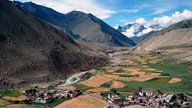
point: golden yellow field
(19, 106)
(97, 95)
(116, 77)
(174, 80)
(83, 101)
(143, 61)
(20, 98)
(3, 103)
(117, 84)
(98, 90)
(96, 81)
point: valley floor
(127, 73)
(130, 71)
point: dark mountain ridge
(87, 27)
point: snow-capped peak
(135, 29)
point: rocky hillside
(91, 28)
(87, 27)
(32, 51)
(176, 39)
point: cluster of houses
(148, 100)
(46, 96)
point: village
(47, 96)
(148, 100)
(141, 98)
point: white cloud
(163, 21)
(142, 6)
(65, 6)
(174, 18)
(140, 20)
(116, 26)
(145, 31)
(160, 10)
(129, 10)
(128, 34)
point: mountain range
(137, 32)
(33, 51)
(40, 45)
(86, 28)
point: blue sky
(130, 10)
(121, 12)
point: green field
(159, 80)
(120, 71)
(11, 93)
(82, 87)
(166, 67)
(182, 70)
(106, 85)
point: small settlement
(46, 96)
(148, 100)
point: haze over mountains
(82, 26)
(33, 51)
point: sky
(122, 12)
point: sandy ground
(132, 69)
(143, 61)
(20, 98)
(96, 81)
(134, 106)
(2, 103)
(117, 84)
(19, 106)
(97, 95)
(128, 61)
(174, 80)
(113, 69)
(82, 102)
(116, 77)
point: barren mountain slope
(85, 27)
(32, 51)
(176, 40)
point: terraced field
(149, 72)
(83, 101)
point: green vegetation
(122, 75)
(136, 61)
(126, 89)
(57, 102)
(104, 94)
(121, 95)
(107, 84)
(82, 87)
(11, 93)
(103, 69)
(119, 71)
(86, 76)
(159, 80)
(165, 74)
(149, 71)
